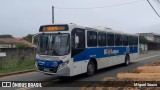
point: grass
(13, 65)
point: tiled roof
(16, 41)
(9, 40)
(26, 42)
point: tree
(143, 40)
(29, 38)
(6, 36)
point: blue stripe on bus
(48, 64)
(88, 53)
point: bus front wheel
(91, 68)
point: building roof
(9, 41)
(26, 42)
(16, 41)
(155, 34)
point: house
(11, 42)
(26, 42)
(154, 40)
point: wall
(143, 47)
(7, 45)
(17, 52)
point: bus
(70, 49)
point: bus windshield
(56, 44)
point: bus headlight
(63, 64)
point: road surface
(101, 74)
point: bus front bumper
(65, 71)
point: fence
(16, 52)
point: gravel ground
(142, 75)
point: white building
(154, 41)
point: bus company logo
(6, 84)
(110, 51)
(107, 51)
(115, 51)
(54, 64)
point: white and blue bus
(69, 49)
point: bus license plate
(46, 70)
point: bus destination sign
(51, 28)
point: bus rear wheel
(127, 60)
(91, 68)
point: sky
(22, 17)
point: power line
(153, 8)
(104, 6)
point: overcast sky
(22, 17)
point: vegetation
(143, 40)
(12, 65)
(29, 38)
(22, 45)
(6, 36)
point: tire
(127, 60)
(91, 68)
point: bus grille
(52, 70)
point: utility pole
(53, 14)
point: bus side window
(118, 40)
(101, 39)
(81, 34)
(91, 39)
(131, 40)
(135, 40)
(110, 39)
(125, 40)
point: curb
(19, 72)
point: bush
(22, 45)
(12, 65)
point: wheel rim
(90, 69)
(127, 61)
